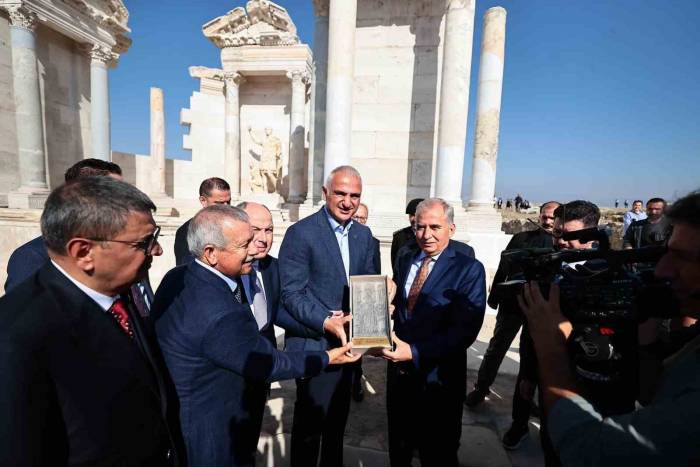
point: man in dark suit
(211, 191)
(439, 308)
(317, 257)
(509, 320)
(212, 344)
(81, 374)
(28, 258)
(405, 236)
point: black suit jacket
(182, 249)
(74, 388)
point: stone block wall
(397, 49)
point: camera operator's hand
(543, 316)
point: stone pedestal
(488, 110)
(33, 187)
(341, 61)
(232, 151)
(454, 100)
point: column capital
(21, 16)
(233, 78)
(321, 7)
(99, 53)
(458, 4)
(299, 76)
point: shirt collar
(230, 282)
(335, 225)
(422, 255)
(104, 301)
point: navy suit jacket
(25, 261)
(447, 315)
(216, 357)
(413, 249)
(276, 312)
(313, 277)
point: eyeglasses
(147, 244)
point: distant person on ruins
(636, 214)
(654, 230)
(617, 203)
(518, 202)
(28, 258)
(627, 204)
(212, 191)
(500, 203)
(509, 203)
(509, 320)
(439, 310)
(406, 235)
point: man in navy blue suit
(318, 255)
(439, 308)
(210, 338)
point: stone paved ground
(366, 433)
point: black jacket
(75, 389)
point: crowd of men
(96, 369)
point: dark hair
(91, 167)
(579, 210)
(211, 184)
(90, 207)
(637, 201)
(656, 200)
(544, 205)
(686, 210)
(412, 205)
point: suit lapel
(269, 281)
(354, 250)
(329, 241)
(439, 268)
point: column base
(27, 198)
(165, 205)
(479, 219)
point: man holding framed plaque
(439, 309)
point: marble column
(318, 103)
(454, 99)
(158, 142)
(232, 151)
(488, 109)
(33, 186)
(341, 64)
(296, 137)
(100, 57)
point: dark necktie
(239, 293)
(418, 282)
(121, 315)
(139, 301)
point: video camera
(605, 294)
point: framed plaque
(369, 305)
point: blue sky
(601, 99)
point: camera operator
(666, 431)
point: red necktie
(418, 282)
(119, 312)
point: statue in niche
(265, 177)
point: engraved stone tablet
(369, 304)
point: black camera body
(605, 294)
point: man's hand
(336, 326)
(342, 355)
(401, 354)
(543, 316)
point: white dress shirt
(230, 282)
(104, 301)
(341, 235)
(415, 266)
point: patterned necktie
(139, 301)
(418, 282)
(259, 301)
(239, 294)
(119, 313)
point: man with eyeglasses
(81, 375)
(509, 320)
